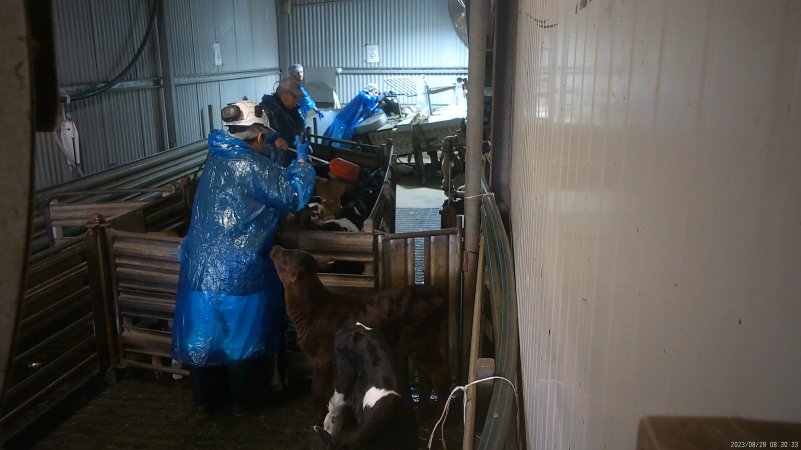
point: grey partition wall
(198, 53)
(412, 38)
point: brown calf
(411, 318)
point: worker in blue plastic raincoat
(229, 305)
(306, 103)
(353, 113)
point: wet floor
(149, 412)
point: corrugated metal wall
(96, 39)
(656, 220)
(415, 36)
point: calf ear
(321, 438)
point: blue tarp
(349, 117)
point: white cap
(370, 87)
(244, 113)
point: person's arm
(286, 189)
(368, 103)
(305, 102)
(281, 123)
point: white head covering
(248, 117)
(370, 87)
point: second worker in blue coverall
(353, 113)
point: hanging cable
(115, 80)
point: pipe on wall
(477, 32)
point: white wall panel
(658, 147)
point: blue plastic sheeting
(349, 117)
(306, 103)
(229, 305)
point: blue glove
(302, 148)
(320, 114)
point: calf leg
(344, 379)
(434, 373)
(320, 392)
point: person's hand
(302, 149)
(281, 144)
(320, 114)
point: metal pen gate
(440, 264)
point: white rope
(468, 197)
(464, 406)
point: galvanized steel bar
(101, 179)
(403, 70)
(129, 85)
(167, 75)
(225, 76)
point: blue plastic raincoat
(348, 117)
(305, 102)
(229, 305)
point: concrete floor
(149, 412)
(412, 193)
(419, 197)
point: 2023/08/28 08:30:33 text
(764, 444)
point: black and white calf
(367, 385)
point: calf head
(330, 195)
(293, 265)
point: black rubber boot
(201, 389)
(239, 381)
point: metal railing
(126, 182)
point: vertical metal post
(283, 10)
(503, 104)
(102, 291)
(167, 78)
(211, 118)
(477, 32)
